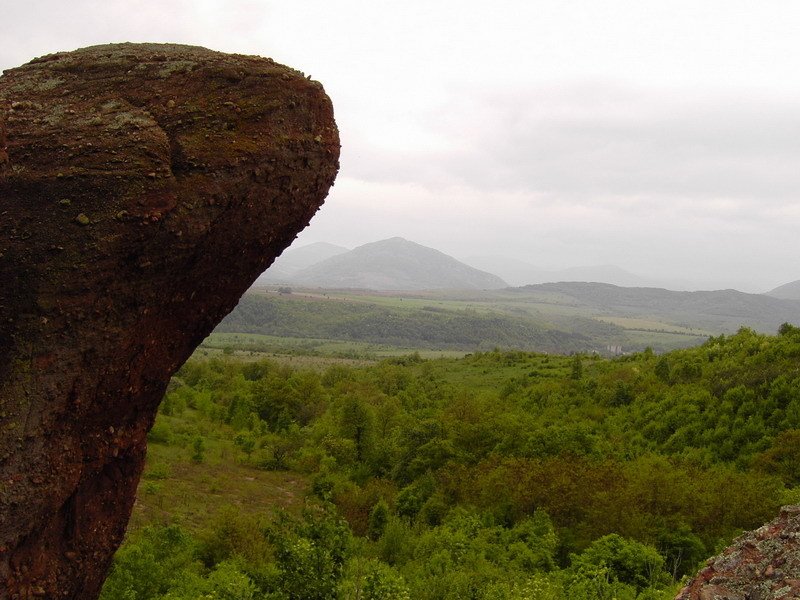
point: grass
(492, 371)
(652, 326)
(316, 351)
(175, 489)
(574, 326)
(661, 341)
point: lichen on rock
(760, 565)
(143, 187)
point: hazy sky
(663, 137)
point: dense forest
(501, 475)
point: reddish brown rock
(761, 565)
(142, 189)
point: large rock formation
(142, 189)
(760, 565)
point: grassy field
(654, 326)
(545, 310)
(308, 352)
(178, 488)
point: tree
(384, 583)
(662, 369)
(623, 394)
(682, 549)
(150, 564)
(378, 517)
(577, 368)
(246, 442)
(310, 554)
(627, 561)
(199, 448)
(358, 424)
(781, 458)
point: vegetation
(429, 327)
(500, 475)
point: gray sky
(663, 137)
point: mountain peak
(787, 291)
(396, 264)
(392, 242)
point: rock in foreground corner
(760, 565)
(143, 188)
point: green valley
(466, 321)
(498, 475)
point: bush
(158, 470)
(384, 583)
(310, 554)
(623, 560)
(199, 448)
(150, 564)
(161, 433)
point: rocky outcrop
(761, 565)
(142, 189)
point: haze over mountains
(397, 264)
(787, 291)
(715, 311)
(517, 272)
(448, 303)
(393, 264)
(297, 259)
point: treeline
(503, 475)
(430, 327)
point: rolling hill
(298, 316)
(787, 291)
(395, 264)
(719, 310)
(518, 272)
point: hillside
(296, 259)
(395, 264)
(719, 310)
(551, 317)
(518, 272)
(787, 291)
(422, 327)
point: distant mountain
(720, 310)
(518, 272)
(296, 259)
(602, 274)
(514, 271)
(787, 291)
(395, 264)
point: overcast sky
(662, 137)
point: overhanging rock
(143, 188)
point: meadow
(464, 321)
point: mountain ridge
(519, 272)
(726, 309)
